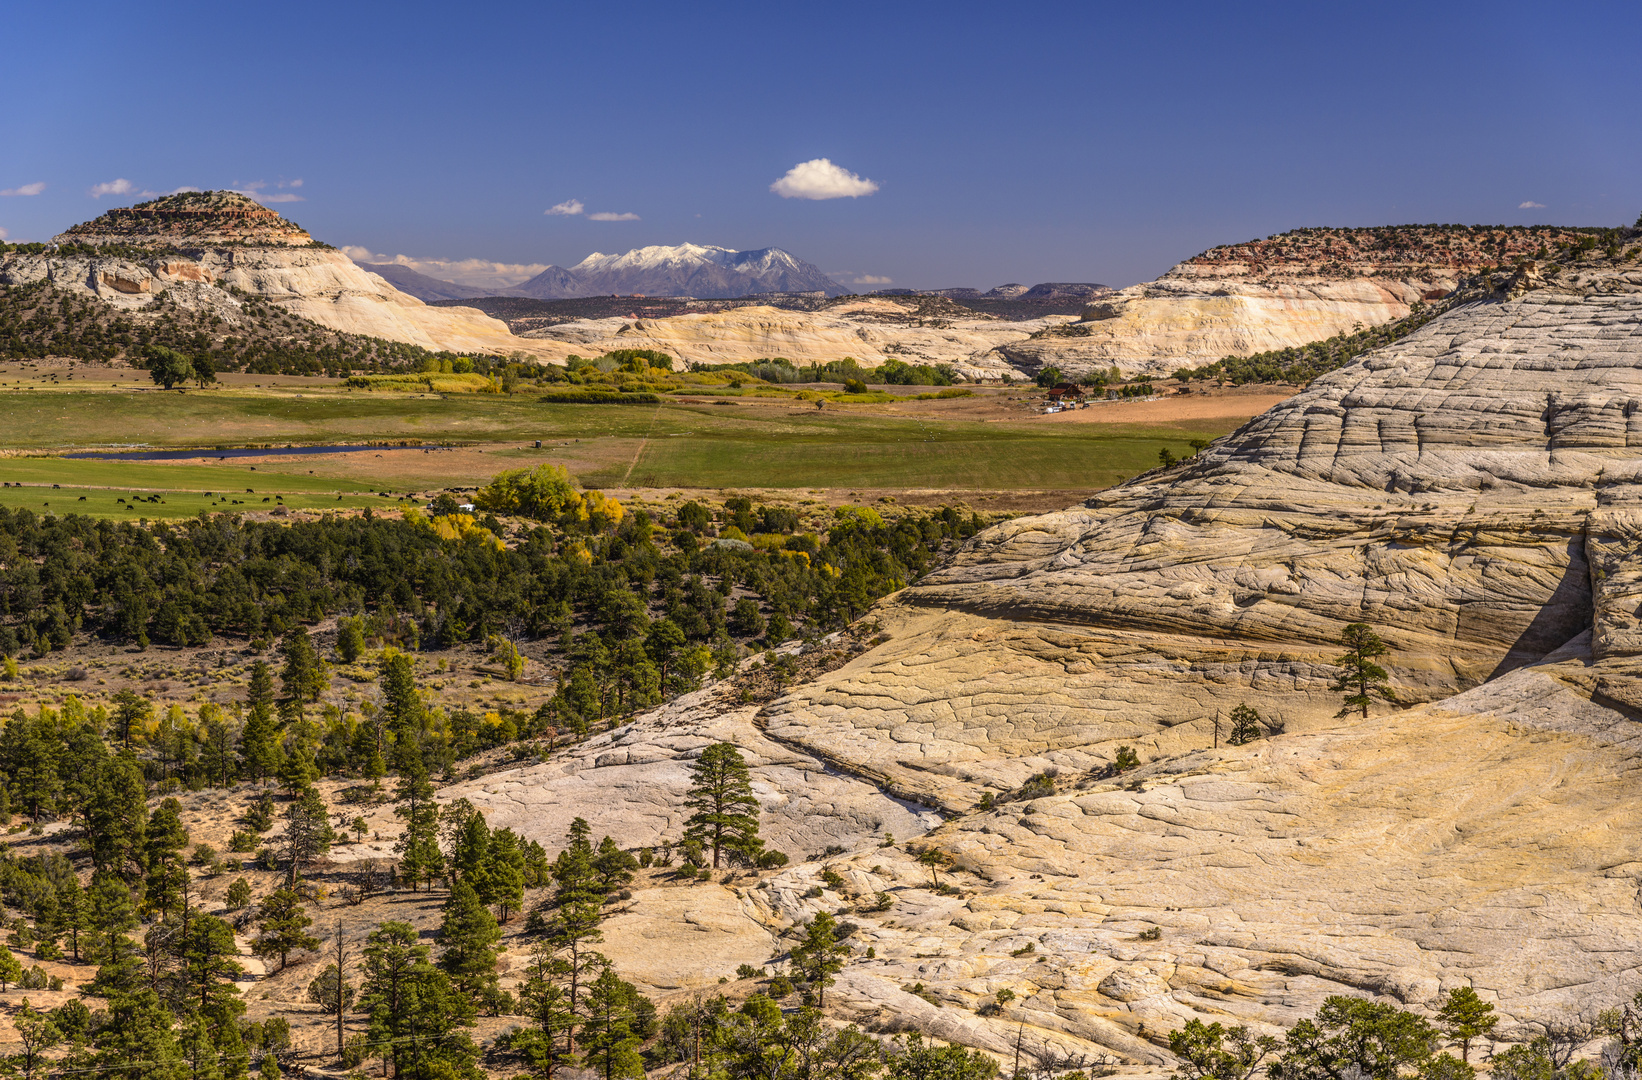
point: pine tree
(131, 714)
(259, 744)
(609, 1044)
(613, 866)
(282, 924)
(71, 911)
(726, 812)
(37, 1034)
(303, 677)
(401, 711)
(418, 846)
(350, 638)
(573, 875)
(116, 818)
(1245, 725)
(414, 1012)
(11, 970)
(109, 914)
(470, 851)
(308, 832)
(469, 935)
(1360, 677)
(135, 1040)
(504, 873)
(1463, 1017)
(820, 955)
(208, 969)
(167, 879)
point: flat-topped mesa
(1398, 252)
(190, 218)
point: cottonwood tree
(1359, 676)
(726, 811)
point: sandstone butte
(1281, 292)
(198, 247)
(1473, 491)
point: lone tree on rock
(1463, 1017)
(726, 812)
(1245, 725)
(1360, 677)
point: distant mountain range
(696, 270)
(701, 271)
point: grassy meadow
(955, 445)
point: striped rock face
(1471, 492)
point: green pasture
(135, 489)
(898, 454)
(675, 444)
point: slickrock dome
(1473, 492)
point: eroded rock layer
(1278, 293)
(1472, 493)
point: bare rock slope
(871, 330)
(1284, 291)
(1472, 492)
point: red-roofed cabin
(1066, 392)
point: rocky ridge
(1475, 493)
(1284, 291)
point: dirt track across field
(1174, 408)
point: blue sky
(1007, 142)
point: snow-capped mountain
(700, 270)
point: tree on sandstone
(726, 812)
(1463, 1017)
(1359, 676)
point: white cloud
(606, 215)
(27, 189)
(291, 183)
(4, 234)
(821, 179)
(569, 208)
(121, 186)
(869, 279)
(284, 197)
(479, 273)
(1530, 205)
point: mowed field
(989, 443)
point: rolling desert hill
(1473, 492)
(203, 249)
